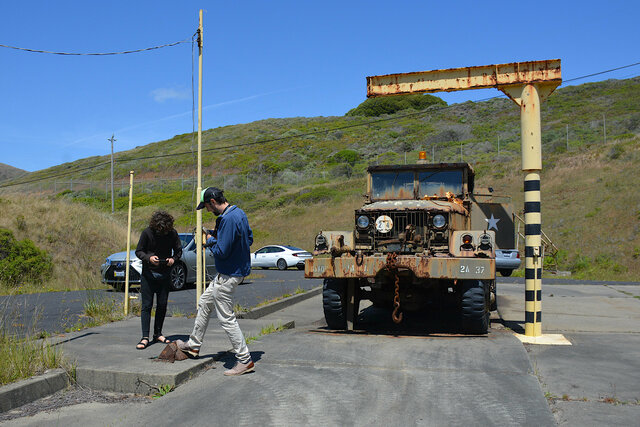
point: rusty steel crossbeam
(453, 79)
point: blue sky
(263, 59)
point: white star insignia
(493, 222)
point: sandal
(144, 343)
(161, 339)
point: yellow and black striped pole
(533, 259)
(532, 165)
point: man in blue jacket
(230, 246)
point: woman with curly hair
(159, 248)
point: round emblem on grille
(384, 224)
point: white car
(280, 256)
(507, 260)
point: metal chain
(391, 266)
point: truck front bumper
(422, 267)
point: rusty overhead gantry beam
(527, 84)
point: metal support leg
(352, 304)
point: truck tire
(475, 307)
(334, 302)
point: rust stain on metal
(454, 79)
(421, 266)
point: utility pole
(604, 127)
(112, 139)
(200, 268)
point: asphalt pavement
(53, 312)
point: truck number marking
(478, 269)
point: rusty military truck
(412, 247)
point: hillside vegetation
(307, 174)
(9, 172)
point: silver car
(507, 260)
(182, 273)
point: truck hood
(427, 205)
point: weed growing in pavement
(163, 389)
(298, 291)
(238, 308)
(103, 310)
(266, 330)
(176, 312)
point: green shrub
(580, 263)
(346, 156)
(374, 107)
(21, 260)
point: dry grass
(590, 208)
(78, 238)
(300, 230)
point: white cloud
(167, 93)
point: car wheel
(505, 273)
(281, 264)
(334, 303)
(475, 307)
(178, 277)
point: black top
(162, 246)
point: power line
(96, 53)
(601, 72)
(264, 141)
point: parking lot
(397, 375)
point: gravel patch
(73, 395)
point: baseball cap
(208, 194)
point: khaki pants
(219, 293)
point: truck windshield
(439, 182)
(392, 185)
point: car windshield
(392, 185)
(437, 183)
(293, 248)
(185, 239)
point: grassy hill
(307, 174)
(9, 172)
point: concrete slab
(544, 339)
(595, 367)
(593, 382)
(573, 308)
(580, 414)
(106, 357)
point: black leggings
(153, 283)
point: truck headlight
(363, 221)
(439, 221)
